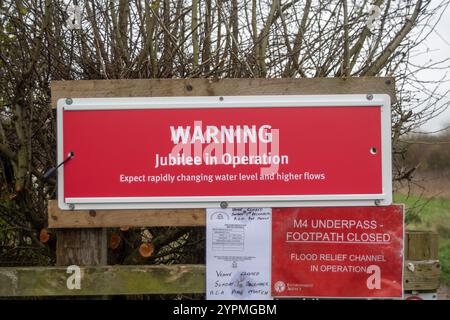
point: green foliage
(430, 212)
(444, 257)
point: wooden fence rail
(154, 279)
(103, 280)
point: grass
(430, 214)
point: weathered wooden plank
(105, 280)
(214, 87)
(422, 275)
(118, 218)
(421, 245)
(155, 279)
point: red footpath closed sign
(194, 152)
(346, 252)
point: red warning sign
(342, 252)
(196, 152)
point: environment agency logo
(279, 286)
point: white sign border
(206, 102)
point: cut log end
(146, 250)
(44, 236)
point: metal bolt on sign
(69, 101)
(369, 97)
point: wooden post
(82, 247)
(421, 245)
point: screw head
(369, 97)
(221, 98)
(69, 101)
(71, 206)
(377, 202)
(224, 205)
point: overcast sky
(438, 46)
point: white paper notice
(238, 253)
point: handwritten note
(238, 253)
